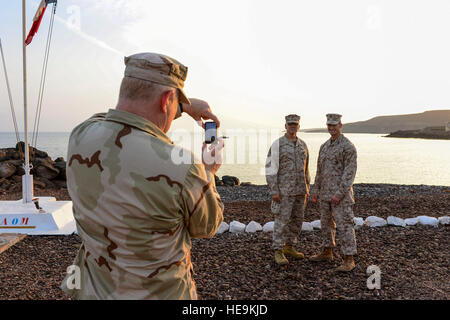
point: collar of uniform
(337, 141)
(297, 142)
(137, 122)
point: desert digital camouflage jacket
(336, 170)
(287, 171)
(136, 210)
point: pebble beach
(414, 260)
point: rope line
(37, 118)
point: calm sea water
(380, 160)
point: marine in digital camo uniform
(288, 179)
(333, 189)
(135, 209)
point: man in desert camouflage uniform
(136, 209)
(288, 179)
(333, 189)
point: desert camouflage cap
(333, 118)
(292, 118)
(157, 68)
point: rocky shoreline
(427, 133)
(47, 173)
(251, 192)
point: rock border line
(371, 222)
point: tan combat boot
(325, 255)
(290, 251)
(280, 258)
(347, 265)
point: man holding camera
(288, 179)
(136, 208)
(333, 189)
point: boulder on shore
(46, 172)
(231, 181)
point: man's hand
(314, 198)
(276, 198)
(199, 110)
(335, 200)
(212, 155)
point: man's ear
(166, 99)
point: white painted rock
(316, 224)
(307, 226)
(253, 227)
(395, 221)
(444, 220)
(374, 222)
(359, 222)
(268, 227)
(223, 227)
(237, 227)
(411, 221)
(428, 221)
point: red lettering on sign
(4, 222)
(24, 221)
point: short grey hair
(137, 89)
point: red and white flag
(37, 19)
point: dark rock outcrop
(46, 172)
(426, 133)
(231, 181)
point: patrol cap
(157, 68)
(333, 118)
(292, 118)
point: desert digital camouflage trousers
(288, 221)
(340, 216)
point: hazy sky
(253, 61)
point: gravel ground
(231, 266)
(414, 261)
(402, 207)
(261, 192)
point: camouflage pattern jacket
(136, 210)
(287, 171)
(336, 170)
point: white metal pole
(27, 179)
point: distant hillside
(388, 124)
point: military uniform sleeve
(307, 175)
(316, 188)
(272, 167)
(202, 203)
(349, 173)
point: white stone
(395, 221)
(316, 224)
(411, 221)
(223, 227)
(253, 227)
(444, 220)
(428, 221)
(374, 222)
(359, 222)
(268, 227)
(307, 226)
(237, 227)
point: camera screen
(210, 132)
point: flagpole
(27, 179)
